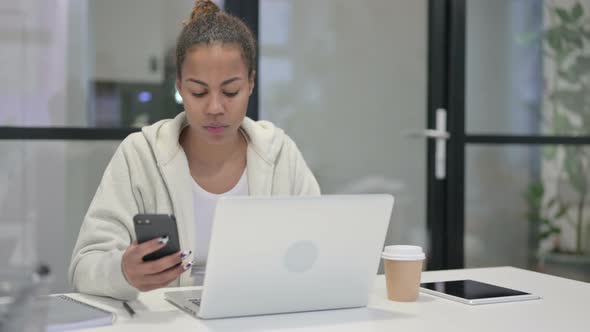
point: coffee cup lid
(403, 253)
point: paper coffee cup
(403, 267)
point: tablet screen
(471, 289)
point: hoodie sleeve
(304, 183)
(105, 234)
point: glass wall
(346, 79)
(527, 74)
(45, 189)
(343, 78)
(527, 67)
(504, 83)
(524, 211)
(74, 63)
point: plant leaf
(561, 124)
(562, 211)
(535, 190)
(570, 75)
(572, 36)
(534, 196)
(545, 234)
(573, 100)
(554, 39)
(574, 169)
(550, 152)
(563, 15)
(577, 11)
(579, 68)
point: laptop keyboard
(196, 301)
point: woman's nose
(215, 107)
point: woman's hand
(149, 275)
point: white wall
(127, 34)
(127, 37)
(32, 81)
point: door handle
(440, 135)
(434, 133)
(440, 152)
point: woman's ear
(178, 85)
(251, 82)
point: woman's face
(215, 89)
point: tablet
(474, 292)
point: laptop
(271, 255)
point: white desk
(565, 307)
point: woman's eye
(198, 95)
(231, 94)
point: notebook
(66, 314)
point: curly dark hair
(209, 25)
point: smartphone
(151, 226)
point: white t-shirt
(204, 206)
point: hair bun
(202, 8)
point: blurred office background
(351, 82)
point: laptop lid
(287, 254)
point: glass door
(522, 115)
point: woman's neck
(207, 155)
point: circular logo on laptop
(301, 256)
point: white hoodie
(149, 173)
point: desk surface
(564, 307)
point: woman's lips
(215, 129)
